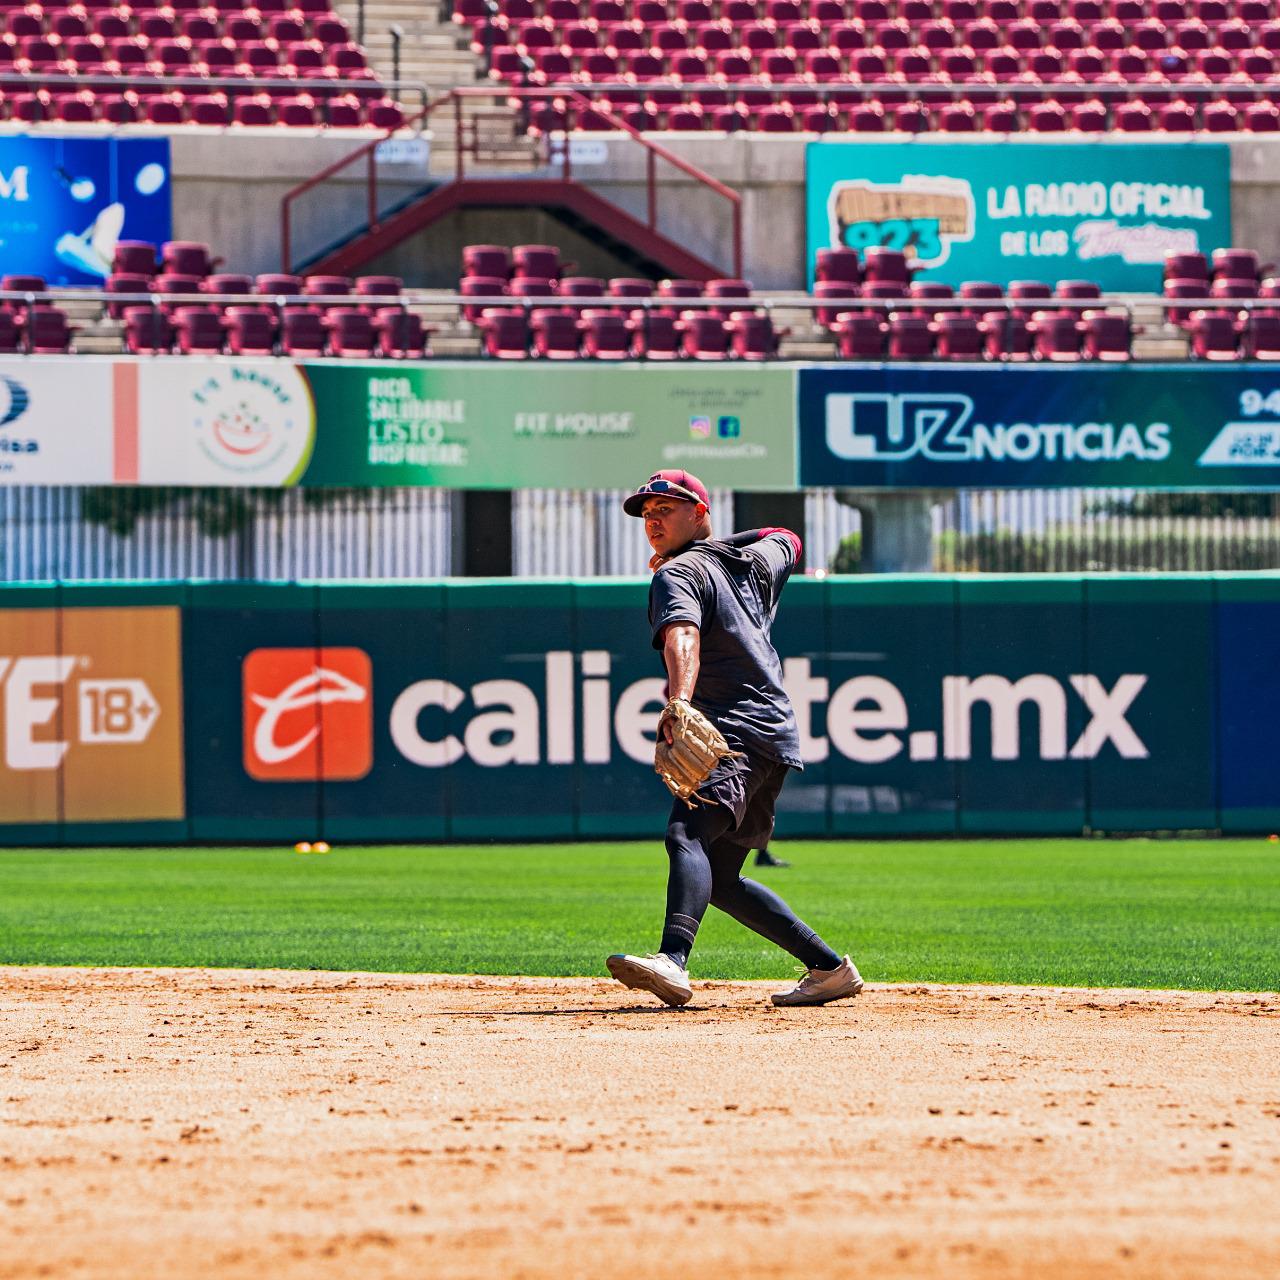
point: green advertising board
(1050, 704)
(477, 424)
(1103, 211)
(550, 425)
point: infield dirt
(173, 1123)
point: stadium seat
(861, 336)
(199, 330)
(1008, 337)
(606, 335)
(752, 337)
(401, 334)
(1260, 337)
(1214, 336)
(486, 260)
(657, 335)
(302, 332)
(250, 331)
(957, 337)
(505, 334)
(1106, 336)
(841, 294)
(1057, 335)
(351, 332)
(910, 337)
(147, 330)
(557, 335)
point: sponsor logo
(868, 720)
(249, 420)
(308, 714)
(1244, 444)
(581, 716)
(37, 712)
(15, 400)
(922, 216)
(14, 186)
(877, 426)
(92, 733)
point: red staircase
(637, 242)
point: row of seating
(1090, 117)
(1157, 48)
(215, 56)
(298, 331)
(614, 333)
(237, 25)
(1059, 336)
(295, 59)
(1213, 13)
(214, 109)
(783, 66)
(514, 334)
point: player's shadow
(625, 1009)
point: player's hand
(656, 561)
(665, 730)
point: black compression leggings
(707, 870)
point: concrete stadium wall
(230, 197)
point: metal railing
(232, 86)
(572, 101)
(161, 305)
(70, 533)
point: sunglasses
(659, 485)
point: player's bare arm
(682, 653)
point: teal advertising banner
(1054, 704)
(989, 211)
(469, 425)
(951, 426)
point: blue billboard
(1038, 211)
(66, 202)
(956, 426)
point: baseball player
(726, 739)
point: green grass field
(1199, 914)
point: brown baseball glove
(697, 746)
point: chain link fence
(66, 534)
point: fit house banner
(990, 211)
(475, 425)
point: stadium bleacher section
(219, 64)
(526, 302)
(960, 66)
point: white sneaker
(656, 973)
(818, 986)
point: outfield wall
(465, 710)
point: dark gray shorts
(748, 787)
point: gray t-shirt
(731, 595)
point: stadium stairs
(435, 52)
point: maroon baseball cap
(670, 484)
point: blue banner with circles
(66, 202)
